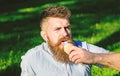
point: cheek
(53, 38)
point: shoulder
(30, 54)
(90, 47)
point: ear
(44, 35)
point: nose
(64, 32)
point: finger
(73, 53)
(78, 60)
(74, 57)
(71, 49)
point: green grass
(19, 31)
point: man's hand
(80, 55)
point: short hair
(54, 11)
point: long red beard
(58, 53)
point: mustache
(66, 38)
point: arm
(79, 55)
(111, 60)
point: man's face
(58, 31)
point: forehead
(58, 22)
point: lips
(64, 39)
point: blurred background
(94, 21)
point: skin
(79, 55)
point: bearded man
(49, 58)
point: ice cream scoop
(67, 46)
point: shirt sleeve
(26, 69)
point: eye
(58, 28)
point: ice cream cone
(67, 47)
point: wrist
(96, 58)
